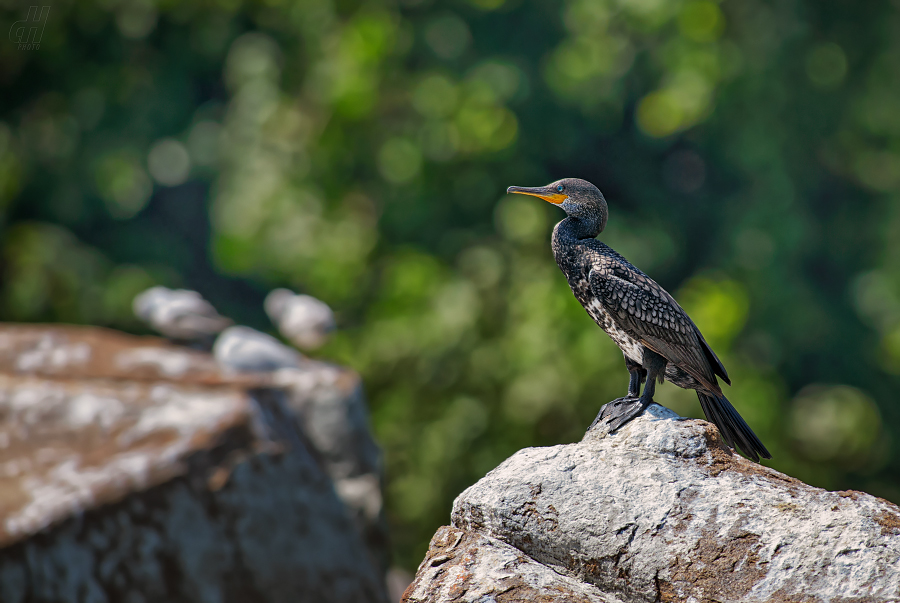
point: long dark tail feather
(731, 425)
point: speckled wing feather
(652, 316)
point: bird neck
(577, 228)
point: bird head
(578, 198)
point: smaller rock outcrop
(330, 405)
(661, 510)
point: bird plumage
(180, 314)
(657, 337)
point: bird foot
(618, 412)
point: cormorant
(656, 336)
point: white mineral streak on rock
(60, 482)
(303, 320)
(183, 411)
(84, 409)
(50, 353)
(170, 363)
(70, 488)
(362, 492)
(179, 313)
(245, 349)
(661, 510)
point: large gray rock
(134, 470)
(660, 511)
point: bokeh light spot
(718, 307)
(399, 160)
(878, 170)
(123, 185)
(448, 36)
(826, 65)
(521, 218)
(834, 423)
(435, 96)
(440, 140)
(504, 80)
(168, 162)
(890, 348)
(659, 114)
(203, 142)
(701, 21)
(136, 19)
(252, 57)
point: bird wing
(652, 316)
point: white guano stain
(53, 471)
(171, 363)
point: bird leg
(622, 410)
(638, 374)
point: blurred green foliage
(359, 151)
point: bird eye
(559, 188)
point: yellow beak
(547, 194)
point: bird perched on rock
(179, 314)
(303, 320)
(245, 349)
(655, 334)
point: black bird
(655, 334)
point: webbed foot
(618, 412)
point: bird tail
(731, 425)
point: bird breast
(631, 347)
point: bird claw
(618, 412)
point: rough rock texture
(469, 566)
(331, 408)
(133, 470)
(659, 511)
(330, 405)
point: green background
(359, 151)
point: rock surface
(659, 511)
(331, 407)
(134, 470)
